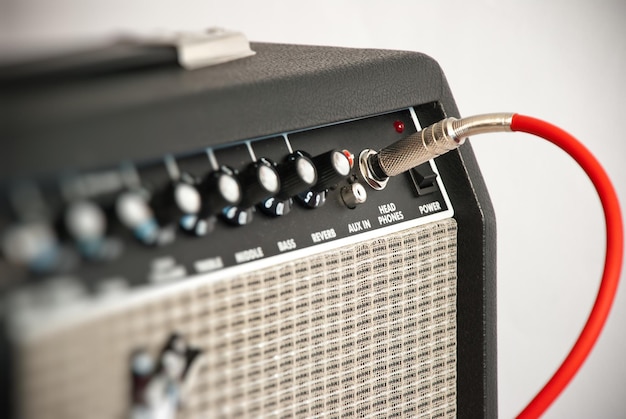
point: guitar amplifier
(200, 244)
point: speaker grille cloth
(365, 330)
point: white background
(564, 61)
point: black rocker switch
(424, 179)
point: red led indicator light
(350, 157)
(399, 126)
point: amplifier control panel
(211, 211)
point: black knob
(297, 174)
(134, 212)
(332, 167)
(259, 181)
(181, 202)
(220, 189)
(85, 222)
(35, 246)
(180, 197)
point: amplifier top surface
(94, 121)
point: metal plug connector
(435, 140)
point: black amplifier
(201, 243)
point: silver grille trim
(368, 329)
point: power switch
(424, 179)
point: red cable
(612, 261)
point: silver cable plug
(448, 134)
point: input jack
(367, 174)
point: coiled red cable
(612, 262)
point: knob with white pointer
(35, 246)
(86, 223)
(134, 212)
(259, 182)
(220, 189)
(332, 167)
(176, 199)
(297, 174)
(179, 203)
